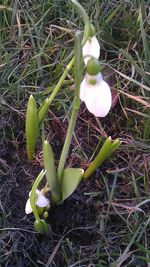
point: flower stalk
(76, 104)
(33, 194)
(44, 108)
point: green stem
(67, 143)
(87, 28)
(33, 194)
(62, 78)
(86, 21)
(85, 37)
(77, 69)
(76, 105)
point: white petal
(83, 87)
(28, 208)
(85, 84)
(38, 192)
(42, 201)
(98, 99)
(91, 49)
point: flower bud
(31, 127)
(41, 227)
(45, 215)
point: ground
(105, 222)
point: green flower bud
(47, 207)
(45, 215)
(41, 227)
(31, 127)
(93, 67)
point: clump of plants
(61, 181)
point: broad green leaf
(70, 180)
(51, 176)
(107, 149)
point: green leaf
(70, 180)
(32, 130)
(42, 111)
(107, 149)
(116, 143)
(51, 176)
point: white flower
(96, 94)
(91, 49)
(41, 201)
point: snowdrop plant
(61, 181)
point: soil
(72, 220)
(78, 225)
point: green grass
(107, 221)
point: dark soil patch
(80, 233)
(74, 220)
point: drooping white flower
(91, 49)
(41, 201)
(96, 94)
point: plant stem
(85, 18)
(33, 194)
(67, 143)
(62, 78)
(76, 105)
(85, 37)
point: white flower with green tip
(41, 202)
(94, 91)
